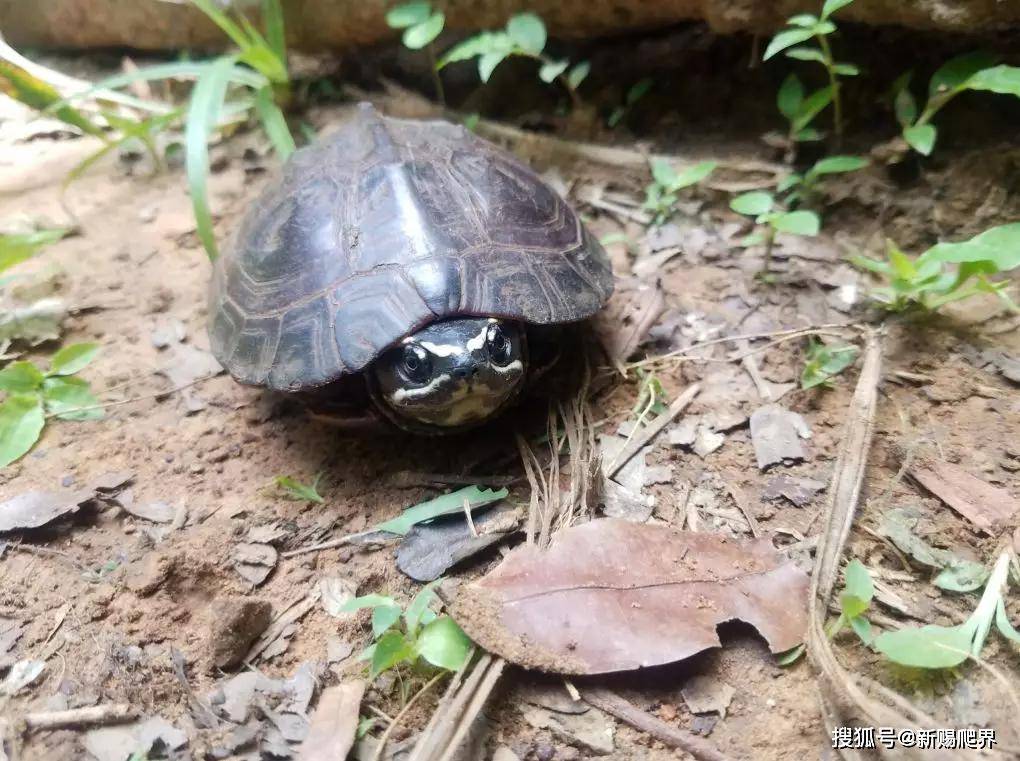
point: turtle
(406, 271)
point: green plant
(524, 36)
(409, 637)
(854, 602)
(32, 395)
(421, 24)
(651, 398)
(939, 647)
(801, 109)
(17, 247)
(299, 491)
(661, 193)
(800, 29)
(930, 281)
(800, 187)
(822, 363)
(142, 130)
(971, 71)
(763, 207)
(635, 92)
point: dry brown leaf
(987, 507)
(611, 595)
(37, 508)
(334, 723)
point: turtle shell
(381, 228)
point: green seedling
(298, 491)
(635, 92)
(800, 109)
(142, 131)
(803, 187)
(822, 363)
(800, 29)
(416, 637)
(854, 602)
(421, 24)
(971, 71)
(651, 397)
(17, 247)
(774, 220)
(32, 395)
(524, 36)
(458, 501)
(942, 647)
(930, 281)
(661, 193)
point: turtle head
(450, 374)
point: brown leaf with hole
(612, 595)
(987, 507)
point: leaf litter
(987, 507)
(612, 595)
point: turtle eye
(500, 349)
(415, 364)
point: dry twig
(653, 429)
(89, 716)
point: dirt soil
(107, 599)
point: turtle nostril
(464, 373)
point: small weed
(661, 193)
(635, 92)
(971, 71)
(929, 281)
(17, 247)
(651, 396)
(299, 491)
(803, 188)
(822, 363)
(768, 214)
(524, 36)
(854, 602)
(800, 29)
(34, 394)
(413, 637)
(421, 24)
(942, 647)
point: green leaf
(366, 601)
(72, 359)
(787, 39)
(21, 422)
(805, 54)
(17, 247)
(300, 491)
(920, 137)
(552, 69)
(813, 105)
(176, 70)
(383, 617)
(962, 576)
(805, 20)
(663, 173)
(42, 96)
(480, 44)
(70, 398)
(998, 245)
(693, 174)
(1003, 79)
(419, 605)
(408, 14)
(904, 103)
(487, 62)
(831, 6)
(837, 165)
(274, 122)
(824, 27)
(442, 643)
(20, 377)
(444, 505)
(852, 605)
(638, 90)
(203, 113)
(798, 222)
(791, 656)
(846, 69)
(862, 628)
(420, 35)
(528, 32)
(791, 180)
(218, 17)
(752, 204)
(1002, 622)
(956, 72)
(578, 73)
(810, 134)
(930, 647)
(272, 18)
(872, 265)
(858, 581)
(391, 649)
(790, 96)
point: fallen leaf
(799, 491)
(552, 696)
(987, 507)
(337, 592)
(37, 508)
(591, 731)
(706, 694)
(632, 311)
(338, 650)
(334, 723)
(22, 674)
(446, 504)
(255, 561)
(623, 495)
(188, 364)
(429, 550)
(776, 433)
(157, 512)
(112, 481)
(34, 323)
(958, 574)
(611, 595)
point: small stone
(236, 624)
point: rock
(330, 24)
(236, 623)
(145, 576)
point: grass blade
(272, 19)
(33, 92)
(274, 122)
(223, 21)
(203, 112)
